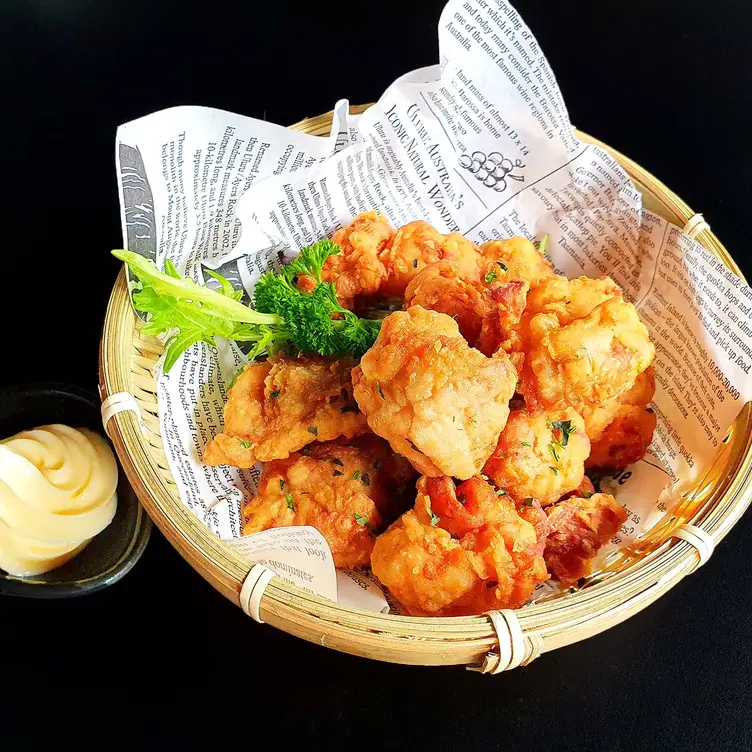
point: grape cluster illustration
(493, 170)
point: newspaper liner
(481, 144)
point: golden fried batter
(540, 456)
(625, 440)
(460, 551)
(598, 417)
(440, 287)
(356, 270)
(587, 361)
(579, 528)
(342, 491)
(415, 246)
(278, 406)
(437, 401)
(570, 299)
(502, 323)
(622, 428)
(516, 260)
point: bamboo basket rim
(646, 572)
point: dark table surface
(664, 82)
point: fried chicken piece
(415, 246)
(516, 260)
(356, 269)
(587, 361)
(440, 287)
(438, 402)
(625, 440)
(597, 418)
(502, 323)
(570, 299)
(278, 406)
(622, 428)
(540, 456)
(460, 551)
(579, 528)
(342, 491)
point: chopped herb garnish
(362, 520)
(454, 418)
(502, 266)
(281, 484)
(366, 478)
(290, 502)
(526, 444)
(564, 429)
(543, 244)
(337, 473)
(435, 519)
(335, 461)
(501, 492)
(528, 502)
(490, 277)
(554, 470)
(313, 430)
(274, 394)
(305, 451)
(587, 494)
(245, 444)
(381, 391)
(356, 475)
(554, 451)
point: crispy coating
(440, 287)
(460, 551)
(598, 417)
(523, 261)
(342, 491)
(356, 270)
(587, 361)
(540, 456)
(579, 528)
(502, 323)
(438, 402)
(570, 299)
(625, 440)
(415, 246)
(278, 406)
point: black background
(664, 81)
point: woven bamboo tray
(630, 581)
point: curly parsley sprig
(285, 318)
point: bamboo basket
(630, 580)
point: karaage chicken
(356, 269)
(516, 260)
(540, 456)
(278, 406)
(415, 246)
(439, 402)
(343, 491)
(621, 430)
(460, 551)
(440, 287)
(579, 528)
(587, 361)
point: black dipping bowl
(113, 552)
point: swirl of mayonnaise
(57, 491)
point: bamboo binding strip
(630, 581)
